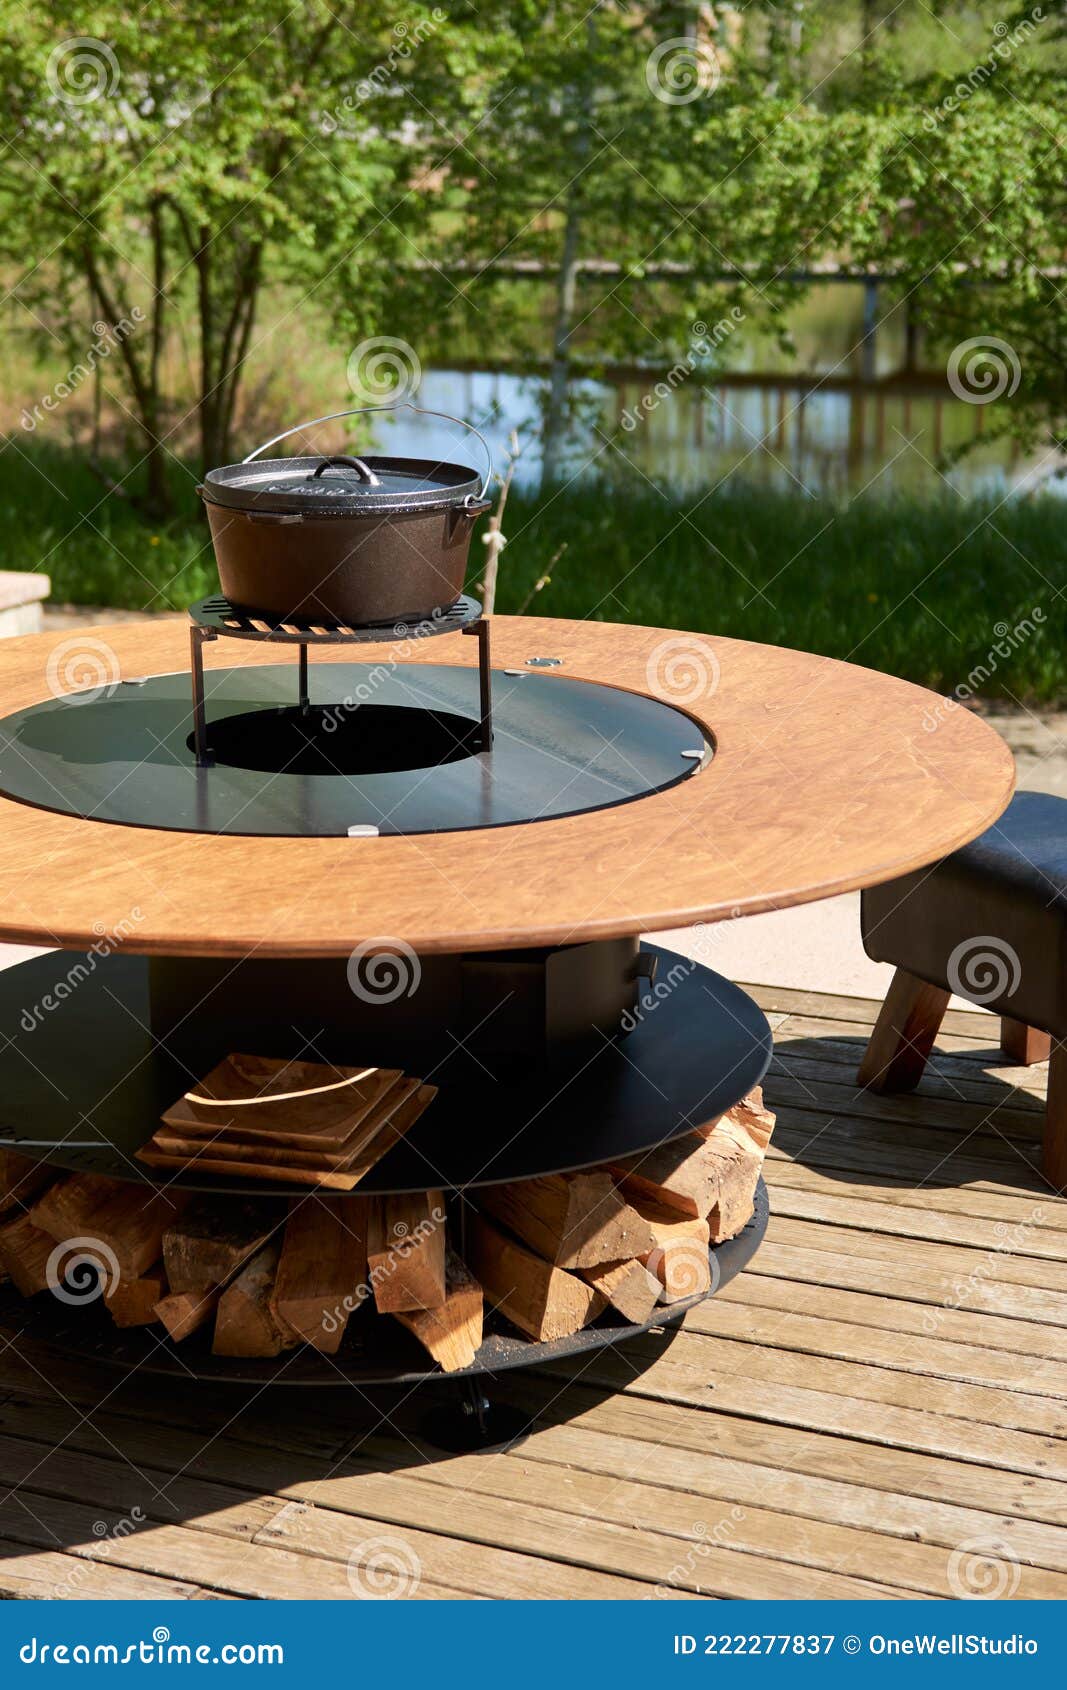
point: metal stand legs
(485, 682)
(199, 635)
(473, 1423)
(197, 638)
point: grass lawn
(921, 588)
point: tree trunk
(567, 284)
(566, 294)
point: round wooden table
(826, 777)
(699, 779)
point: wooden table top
(827, 777)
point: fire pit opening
(335, 739)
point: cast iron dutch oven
(344, 539)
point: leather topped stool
(989, 923)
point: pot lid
(342, 486)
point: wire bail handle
(366, 410)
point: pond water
(818, 439)
(851, 410)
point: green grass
(920, 587)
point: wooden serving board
(391, 1132)
(329, 1104)
(232, 1148)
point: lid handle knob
(365, 473)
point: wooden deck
(875, 1408)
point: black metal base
(474, 1425)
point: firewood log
(21, 1180)
(322, 1269)
(682, 1175)
(452, 1333)
(679, 1257)
(214, 1238)
(245, 1324)
(713, 1168)
(132, 1302)
(124, 1217)
(541, 1300)
(406, 1251)
(739, 1140)
(184, 1312)
(24, 1253)
(630, 1287)
(572, 1220)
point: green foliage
(915, 587)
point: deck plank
(885, 1384)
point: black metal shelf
(375, 1351)
(98, 1083)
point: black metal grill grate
(219, 616)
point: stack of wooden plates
(303, 1123)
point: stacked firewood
(550, 1254)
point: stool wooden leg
(1054, 1149)
(903, 1034)
(1022, 1043)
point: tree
(644, 162)
(172, 159)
